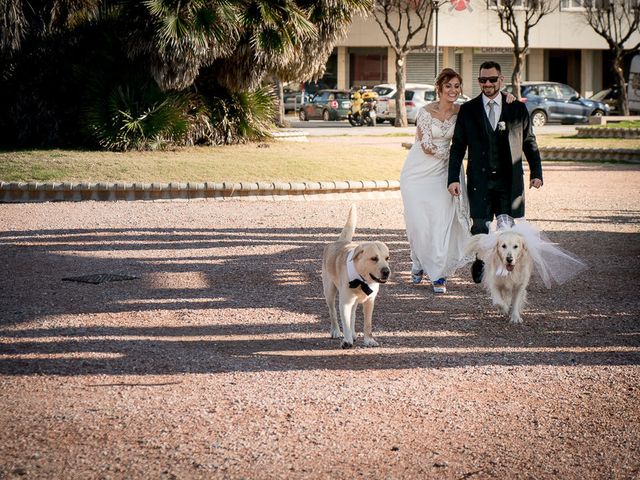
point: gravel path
(216, 362)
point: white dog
(507, 269)
(355, 272)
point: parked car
(416, 95)
(292, 101)
(326, 105)
(552, 101)
(633, 86)
(609, 96)
(327, 82)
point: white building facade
(563, 48)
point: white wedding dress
(438, 225)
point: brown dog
(355, 272)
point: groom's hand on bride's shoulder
(454, 189)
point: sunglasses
(488, 79)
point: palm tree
(235, 44)
(331, 21)
(284, 39)
(245, 41)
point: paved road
(216, 361)
(322, 128)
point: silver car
(416, 96)
(292, 101)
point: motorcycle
(363, 110)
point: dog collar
(355, 279)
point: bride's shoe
(440, 285)
(416, 277)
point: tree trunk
(280, 121)
(401, 75)
(518, 57)
(618, 70)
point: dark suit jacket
(516, 140)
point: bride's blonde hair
(444, 76)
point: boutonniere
(502, 126)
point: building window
(516, 4)
(599, 4)
(571, 4)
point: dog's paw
(336, 333)
(516, 319)
(347, 344)
(502, 308)
(370, 342)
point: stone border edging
(607, 132)
(23, 192)
(290, 136)
(572, 154)
(626, 155)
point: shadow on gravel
(166, 321)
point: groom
(497, 134)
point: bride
(438, 225)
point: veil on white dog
(552, 263)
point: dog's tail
(350, 227)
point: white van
(633, 86)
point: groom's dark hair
(489, 64)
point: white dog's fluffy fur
(507, 270)
(370, 260)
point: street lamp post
(436, 5)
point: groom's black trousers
(498, 202)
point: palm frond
(13, 25)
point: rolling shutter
(421, 68)
(458, 63)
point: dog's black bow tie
(362, 284)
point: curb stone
(607, 132)
(26, 192)
(624, 155)
(572, 154)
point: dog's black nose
(385, 272)
(509, 259)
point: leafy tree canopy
(139, 74)
(243, 39)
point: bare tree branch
(413, 21)
(616, 21)
(516, 21)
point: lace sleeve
(442, 151)
(423, 132)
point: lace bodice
(434, 135)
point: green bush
(222, 117)
(80, 90)
(136, 115)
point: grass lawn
(625, 124)
(278, 161)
